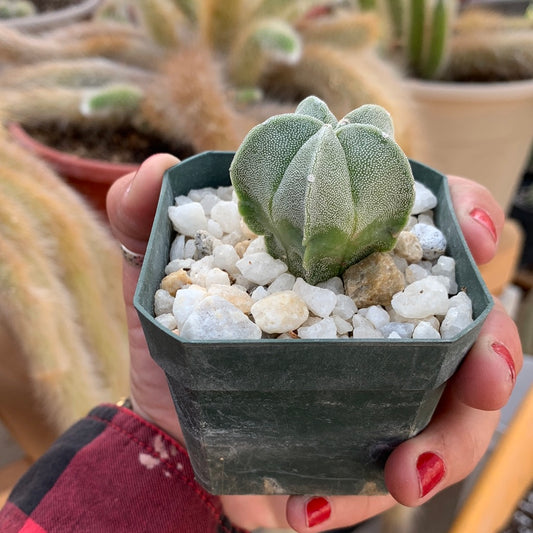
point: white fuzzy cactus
(324, 193)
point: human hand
(444, 453)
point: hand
(444, 453)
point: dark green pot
(299, 416)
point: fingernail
(317, 511)
(483, 218)
(131, 184)
(430, 469)
(505, 354)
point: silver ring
(131, 257)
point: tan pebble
(373, 281)
(175, 280)
(239, 298)
(408, 246)
(241, 247)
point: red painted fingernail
(317, 510)
(431, 469)
(483, 218)
(505, 354)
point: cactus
(420, 31)
(324, 193)
(16, 8)
(489, 46)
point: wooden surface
(504, 480)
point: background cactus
(434, 39)
(331, 193)
(419, 32)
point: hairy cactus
(324, 193)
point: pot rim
(73, 166)
(49, 19)
(471, 92)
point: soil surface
(123, 144)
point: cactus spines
(324, 193)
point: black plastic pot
(299, 416)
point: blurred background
(90, 88)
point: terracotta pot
(481, 131)
(91, 177)
(299, 416)
(48, 20)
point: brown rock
(373, 281)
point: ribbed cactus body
(324, 193)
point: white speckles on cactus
(325, 194)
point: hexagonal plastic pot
(299, 416)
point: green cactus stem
(324, 193)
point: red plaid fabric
(113, 472)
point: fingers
(132, 201)
(479, 215)
(487, 376)
(318, 513)
(443, 454)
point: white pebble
(233, 294)
(424, 330)
(179, 264)
(424, 199)
(404, 330)
(208, 201)
(190, 249)
(461, 299)
(185, 301)
(227, 215)
(422, 298)
(196, 195)
(200, 268)
(333, 284)
(258, 293)
(225, 257)
(182, 200)
(394, 335)
(343, 326)
(431, 239)
(261, 268)
(167, 320)
(324, 329)
(363, 328)
(414, 273)
(163, 302)
(225, 193)
(216, 276)
(217, 319)
(445, 266)
(177, 248)
(280, 312)
(285, 282)
(214, 229)
(345, 307)
(255, 246)
(187, 219)
(456, 319)
(377, 316)
(320, 302)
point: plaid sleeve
(113, 472)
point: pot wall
(481, 131)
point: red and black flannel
(113, 472)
